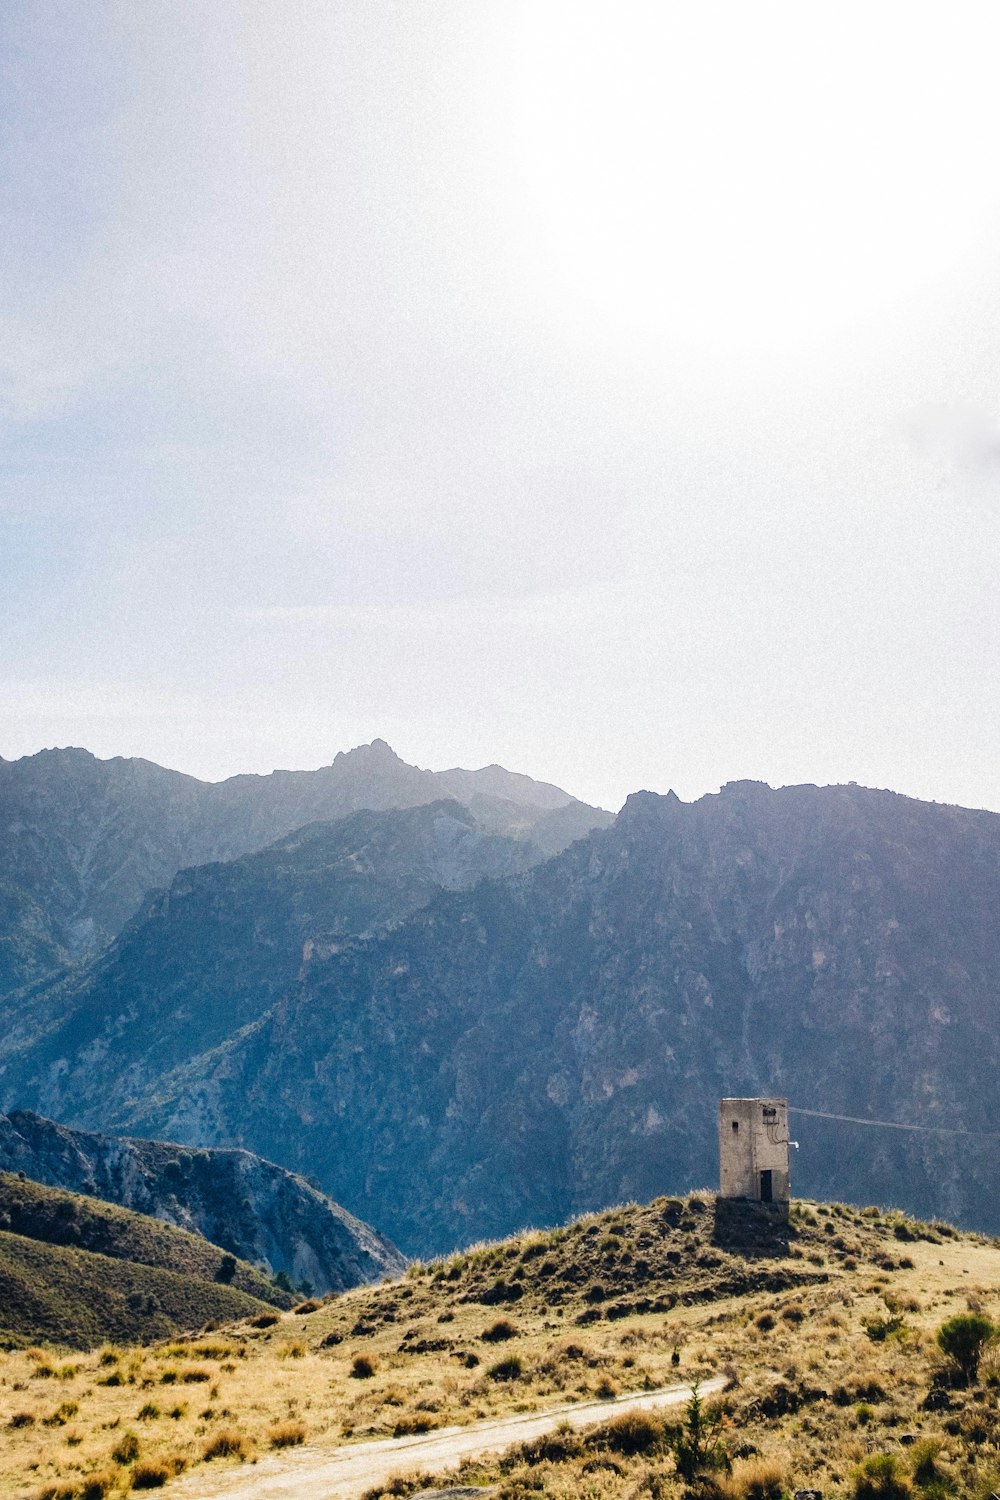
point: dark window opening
(736, 1124)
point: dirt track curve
(344, 1473)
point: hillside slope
(77, 1298)
(822, 1328)
(55, 1217)
(251, 1208)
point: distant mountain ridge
(82, 840)
(257, 1211)
(555, 1039)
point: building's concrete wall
(753, 1138)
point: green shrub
(879, 1329)
(926, 1474)
(881, 1478)
(962, 1339)
(511, 1368)
(698, 1444)
(227, 1269)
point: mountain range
(456, 1046)
(83, 840)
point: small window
(736, 1124)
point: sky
(605, 390)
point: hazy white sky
(609, 390)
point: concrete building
(753, 1150)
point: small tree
(963, 1339)
(698, 1445)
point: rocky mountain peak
(377, 753)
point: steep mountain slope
(251, 1208)
(82, 840)
(547, 1043)
(213, 952)
(30, 945)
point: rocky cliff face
(557, 1039)
(82, 840)
(250, 1207)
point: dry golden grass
(620, 1302)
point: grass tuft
(226, 1444)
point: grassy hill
(77, 1299)
(75, 1271)
(825, 1329)
(56, 1217)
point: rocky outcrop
(250, 1207)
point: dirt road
(345, 1473)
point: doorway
(766, 1188)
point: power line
(819, 1114)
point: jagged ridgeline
(556, 1038)
(83, 840)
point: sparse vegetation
(813, 1396)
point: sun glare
(750, 177)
